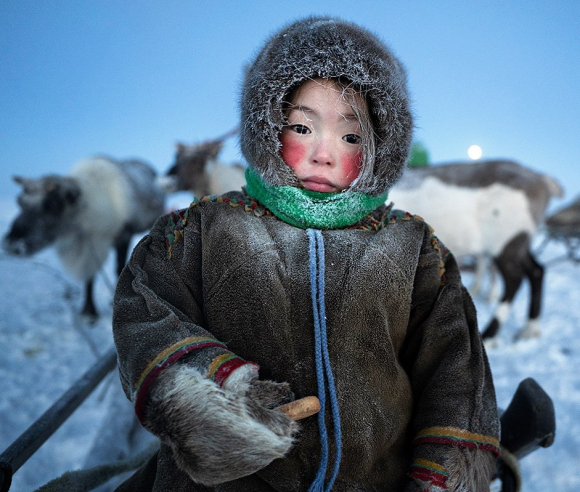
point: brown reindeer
(197, 169)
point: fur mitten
(468, 471)
(218, 434)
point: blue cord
(324, 377)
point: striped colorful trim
(443, 254)
(223, 365)
(430, 472)
(164, 360)
(178, 220)
(458, 437)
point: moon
(474, 152)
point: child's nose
(322, 153)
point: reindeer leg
(481, 267)
(535, 273)
(509, 264)
(89, 312)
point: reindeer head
(188, 171)
(46, 204)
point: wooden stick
(302, 408)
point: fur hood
(325, 48)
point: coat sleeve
(158, 318)
(200, 399)
(455, 425)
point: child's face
(322, 140)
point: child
(307, 284)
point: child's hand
(269, 393)
(220, 434)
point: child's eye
(303, 130)
(352, 138)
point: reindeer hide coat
(221, 291)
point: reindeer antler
(227, 135)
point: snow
(46, 347)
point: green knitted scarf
(312, 209)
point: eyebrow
(306, 109)
(294, 107)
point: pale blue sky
(129, 79)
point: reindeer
(100, 204)
(486, 209)
(564, 225)
(197, 169)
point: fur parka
(226, 281)
(213, 318)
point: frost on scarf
(311, 209)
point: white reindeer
(486, 209)
(100, 204)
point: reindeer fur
(218, 434)
(490, 209)
(99, 205)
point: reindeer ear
(19, 180)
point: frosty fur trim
(216, 435)
(163, 360)
(320, 47)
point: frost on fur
(283, 64)
(216, 434)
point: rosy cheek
(351, 164)
(292, 152)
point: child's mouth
(318, 183)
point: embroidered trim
(178, 221)
(430, 472)
(457, 437)
(373, 221)
(223, 365)
(164, 360)
(443, 252)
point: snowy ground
(45, 347)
